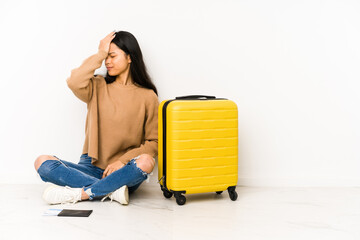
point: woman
(120, 132)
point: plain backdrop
(292, 67)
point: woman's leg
(131, 175)
(65, 173)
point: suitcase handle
(189, 97)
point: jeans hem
(89, 193)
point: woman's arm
(80, 80)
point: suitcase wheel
(232, 195)
(180, 199)
(167, 193)
(219, 192)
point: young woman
(120, 131)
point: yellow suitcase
(198, 146)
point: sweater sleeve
(80, 80)
(150, 145)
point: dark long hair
(128, 43)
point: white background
(292, 67)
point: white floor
(259, 213)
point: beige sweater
(121, 121)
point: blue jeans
(87, 176)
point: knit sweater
(121, 121)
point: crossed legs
(78, 176)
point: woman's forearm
(80, 79)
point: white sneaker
(55, 194)
(121, 195)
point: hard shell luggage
(197, 146)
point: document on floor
(67, 212)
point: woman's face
(117, 61)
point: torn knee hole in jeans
(151, 163)
(56, 157)
(145, 174)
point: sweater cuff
(125, 160)
(127, 157)
(102, 54)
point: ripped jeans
(87, 176)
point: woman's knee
(146, 163)
(41, 159)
